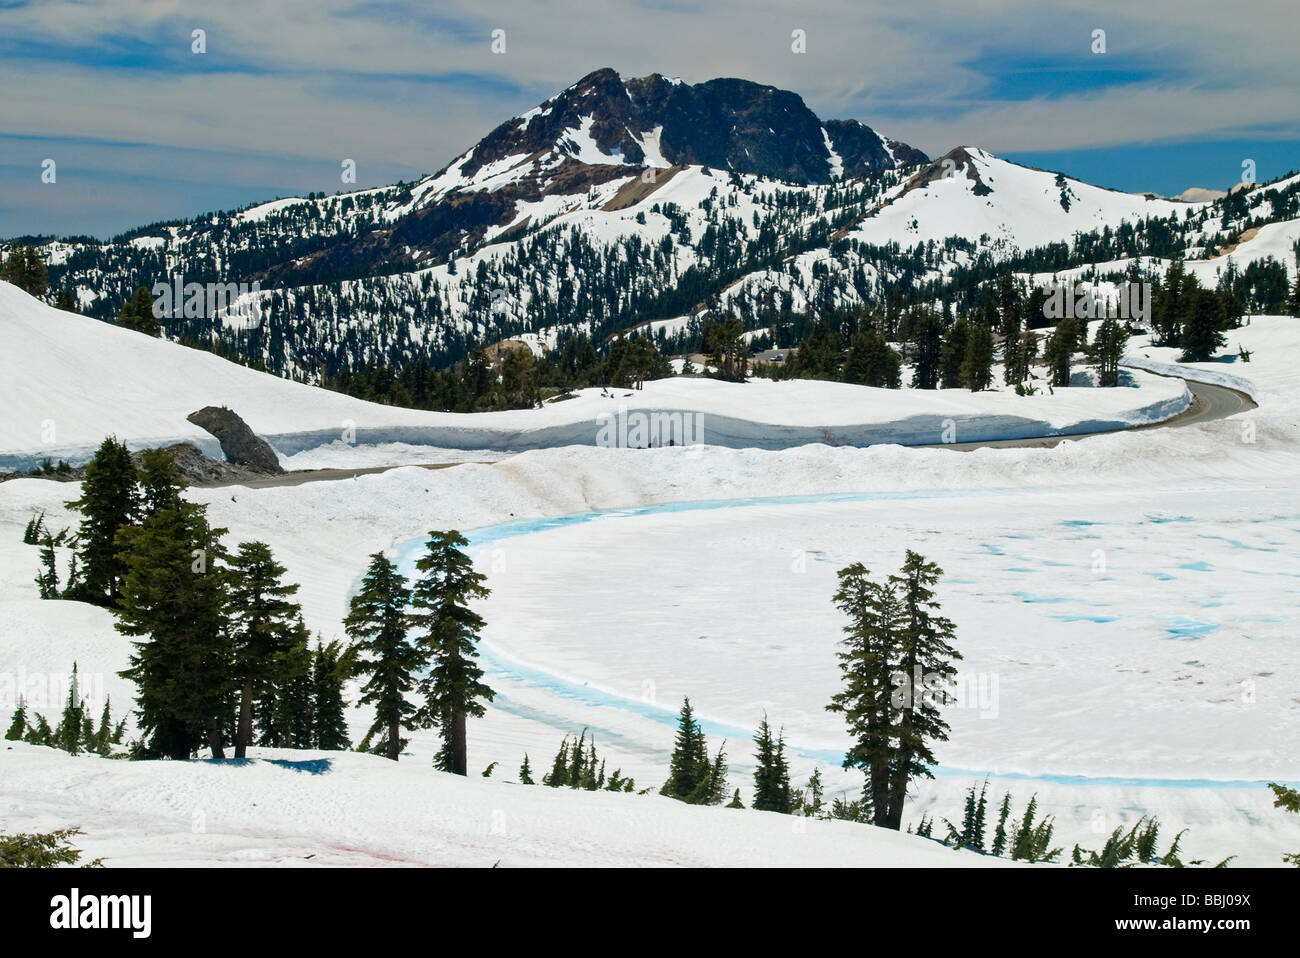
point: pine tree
(161, 482)
(1203, 321)
(689, 764)
(47, 580)
(377, 622)
(925, 656)
(35, 278)
(559, 774)
(976, 372)
(269, 638)
(1107, 350)
(14, 266)
(68, 733)
(712, 788)
(871, 362)
(18, 724)
(526, 772)
(816, 792)
(103, 738)
(137, 313)
(174, 599)
(952, 354)
(771, 773)
(330, 667)
(109, 503)
(1167, 303)
(1000, 834)
(1030, 841)
(65, 301)
(867, 663)
(1059, 350)
(577, 761)
(735, 801)
(25, 269)
(926, 338)
(453, 689)
(40, 733)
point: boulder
(239, 444)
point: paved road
(1208, 402)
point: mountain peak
(658, 121)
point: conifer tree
(1107, 350)
(1059, 350)
(109, 503)
(926, 339)
(17, 724)
(526, 772)
(161, 482)
(268, 636)
(871, 362)
(952, 354)
(558, 777)
(453, 688)
(103, 737)
(1000, 834)
(35, 278)
(712, 788)
(14, 265)
(976, 371)
(47, 580)
(377, 623)
(174, 600)
(925, 652)
(867, 662)
(40, 733)
(1203, 321)
(689, 765)
(771, 773)
(735, 800)
(137, 313)
(578, 761)
(68, 733)
(816, 791)
(330, 667)
(65, 301)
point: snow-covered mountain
(620, 203)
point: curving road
(1208, 403)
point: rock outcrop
(239, 444)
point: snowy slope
(1015, 206)
(1136, 487)
(70, 381)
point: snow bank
(69, 381)
(330, 808)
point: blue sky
(142, 128)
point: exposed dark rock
(240, 444)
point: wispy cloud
(285, 91)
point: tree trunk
(214, 739)
(244, 735)
(394, 722)
(394, 739)
(457, 759)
